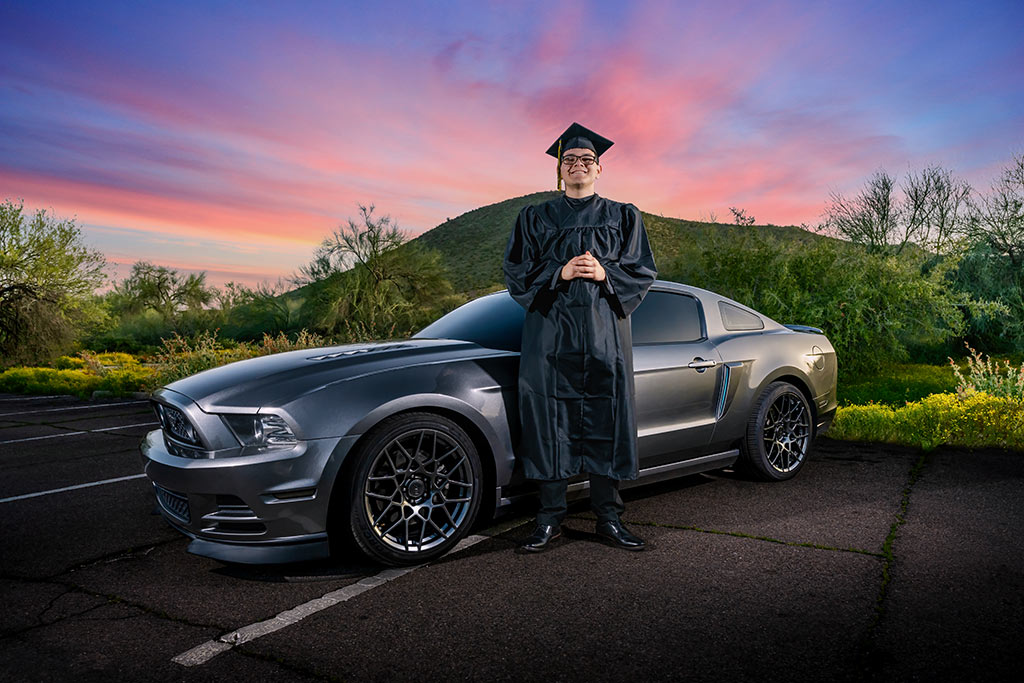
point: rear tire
(415, 490)
(779, 432)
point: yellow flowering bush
(977, 419)
(79, 382)
(68, 363)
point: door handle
(699, 364)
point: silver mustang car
(403, 446)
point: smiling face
(579, 177)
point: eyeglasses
(570, 160)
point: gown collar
(578, 203)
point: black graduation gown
(576, 366)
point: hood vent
(352, 352)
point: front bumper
(260, 508)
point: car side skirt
(650, 475)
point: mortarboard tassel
(558, 167)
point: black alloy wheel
(779, 433)
(416, 489)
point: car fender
(498, 444)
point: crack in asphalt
(867, 643)
(111, 556)
(754, 537)
(40, 617)
(739, 534)
(110, 599)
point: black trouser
(604, 500)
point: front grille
(174, 503)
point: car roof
(706, 297)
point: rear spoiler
(805, 328)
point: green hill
(472, 246)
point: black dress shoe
(542, 538)
(616, 535)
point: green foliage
(871, 305)
(896, 384)
(986, 273)
(47, 276)
(977, 420)
(989, 376)
(182, 356)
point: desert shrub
(184, 356)
(976, 420)
(282, 342)
(989, 376)
(872, 306)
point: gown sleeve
(628, 279)
(529, 275)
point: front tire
(415, 490)
(778, 436)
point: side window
(736, 319)
(666, 317)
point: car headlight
(261, 431)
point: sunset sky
(231, 137)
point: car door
(676, 371)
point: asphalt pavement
(876, 563)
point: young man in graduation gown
(579, 265)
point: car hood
(282, 377)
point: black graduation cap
(579, 136)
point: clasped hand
(585, 266)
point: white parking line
(30, 398)
(53, 410)
(211, 648)
(70, 488)
(87, 431)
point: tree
(999, 221)
(369, 282)
(950, 211)
(161, 289)
(47, 277)
(931, 209)
(993, 265)
(740, 216)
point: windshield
(494, 321)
